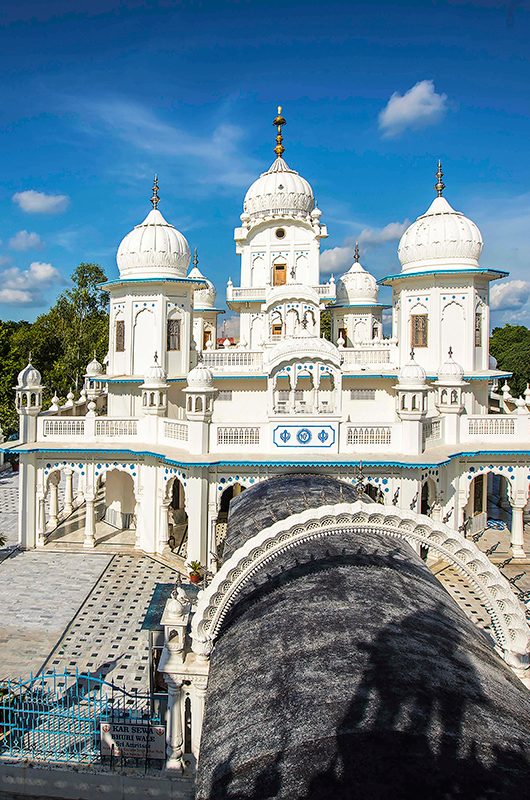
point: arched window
(454, 397)
(198, 404)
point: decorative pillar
(68, 492)
(199, 689)
(41, 520)
(175, 736)
(163, 531)
(54, 503)
(90, 523)
(517, 541)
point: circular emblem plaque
(303, 436)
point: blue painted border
(495, 273)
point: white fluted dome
(450, 371)
(412, 374)
(29, 377)
(356, 287)
(94, 368)
(153, 249)
(200, 377)
(155, 374)
(202, 298)
(279, 192)
(442, 238)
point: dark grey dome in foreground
(348, 672)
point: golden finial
(440, 185)
(279, 122)
(356, 253)
(195, 258)
(155, 198)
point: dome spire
(279, 122)
(356, 253)
(195, 261)
(155, 198)
(439, 185)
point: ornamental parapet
(257, 294)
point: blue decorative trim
(360, 305)
(495, 273)
(321, 436)
(127, 281)
(252, 463)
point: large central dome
(279, 192)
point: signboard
(133, 740)
(304, 436)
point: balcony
(257, 294)
(380, 352)
(232, 360)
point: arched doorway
(177, 519)
(119, 500)
(232, 491)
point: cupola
(154, 248)
(199, 393)
(154, 389)
(28, 390)
(203, 299)
(357, 286)
(441, 238)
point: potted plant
(196, 571)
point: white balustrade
(491, 426)
(232, 436)
(432, 431)
(57, 428)
(378, 353)
(232, 360)
(175, 430)
(112, 428)
(370, 435)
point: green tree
(62, 341)
(325, 324)
(510, 345)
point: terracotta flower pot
(195, 577)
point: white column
(199, 689)
(68, 492)
(175, 737)
(163, 532)
(41, 520)
(197, 511)
(90, 523)
(517, 542)
(54, 503)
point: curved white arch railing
(510, 629)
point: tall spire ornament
(356, 253)
(155, 198)
(439, 185)
(195, 258)
(279, 122)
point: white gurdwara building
(160, 440)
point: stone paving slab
(40, 593)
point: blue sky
(97, 96)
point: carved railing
(432, 431)
(232, 436)
(175, 430)
(58, 427)
(233, 360)
(110, 428)
(369, 435)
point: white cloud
(509, 295)
(339, 259)
(390, 233)
(417, 108)
(25, 287)
(230, 327)
(33, 202)
(214, 158)
(24, 240)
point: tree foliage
(62, 341)
(510, 345)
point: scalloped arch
(508, 618)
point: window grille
(173, 334)
(478, 329)
(224, 394)
(369, 435)
(362, 394)
(237, 436)
(419, 328)
(120, 335)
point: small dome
(450, 371)
(29, 377)
(412, 373)
(155, 374)
(200, 377)
(442, 238)
(279, 192)
(94, 368)
(154, 248)
(202, 298)
(356, 287)
(492, 362)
